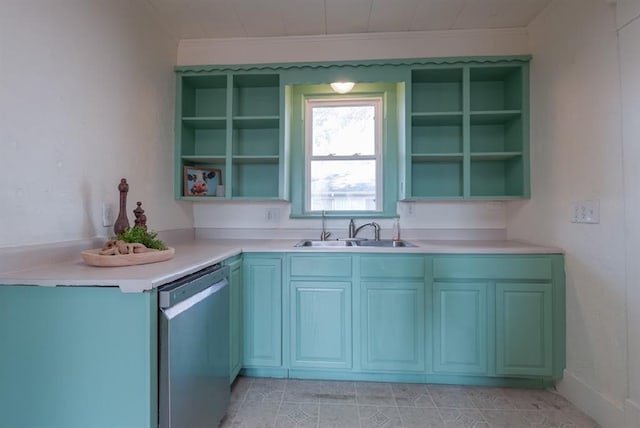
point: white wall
(576, 155)
(415, 44)
(433, 220)
(628, 19)
(626, 11)
(431, 215)
(86, 97)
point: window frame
(394, 120)
(377, 102)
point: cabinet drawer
(323, 266)
(392, 266)
(506, 267)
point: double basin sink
(382, 243)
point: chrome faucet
(324, 234)
(353, 230)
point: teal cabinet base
(278, 372)
(343, 375)
(490, 320)
(77, 357)
(235, 316)
(262, 311)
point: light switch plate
(272, 215)
(586, 212)
(107, 214)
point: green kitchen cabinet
(78, 357)
(262, 311)
(235, 311)
(230, 122)
(469, 133)
(462, 125)
(524, 336)
(320, 317)
(392, 313)
(320, 324)
(460, 315)
(392, 325)
(502, 316)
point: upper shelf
(205, 122)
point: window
(343, 154)
(349, 171)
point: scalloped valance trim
(410, 62)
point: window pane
(343, 185)
(343, 130)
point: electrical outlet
(586, 212)
(272, 215)
(107, 214)
(410, 209)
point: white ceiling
(192, 19)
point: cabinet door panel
(490, 268)
(460, 328)
(324, 265)
(392, 325)
(235, 322)
(321, 324)
(392, 266)
(262, 312)
(523, 329)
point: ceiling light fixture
(342, 87)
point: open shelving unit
(468, 132)
(232, 122)
(436, 130)
(256, 136)
(464, 125)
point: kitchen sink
(312, 243)
(385, 243)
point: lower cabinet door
(321, 324)
(262, 278)
(235, 322)
(460, 328)
(524, 329)
(392, 325)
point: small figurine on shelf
(141, 218)
(122, 222)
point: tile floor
(284, 403)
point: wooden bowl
(94, 258)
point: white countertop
(198, 254)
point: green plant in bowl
(141, 235)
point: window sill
(345, 214)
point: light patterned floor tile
(462, 418)
(256, 414)
(338, 416)
(420, 418)
(451, 396)
(374, 394)
(292, 403)
(379, 417)
(266, 390)
(298, 415)
(412, 395)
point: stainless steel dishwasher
(194, 350)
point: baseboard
(631, 414)
(604, 411)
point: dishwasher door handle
(179, 308)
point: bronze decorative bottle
(141, 218)
(122, 222)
